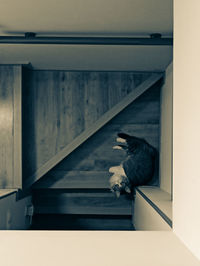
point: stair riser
(82, 203)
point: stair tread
(56, 179)
(63, 209)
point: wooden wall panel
(60, 105)
(145, 110)
(97, 153)
(96, 96)
(140, 119)
(10, 126)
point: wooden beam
(105, 118)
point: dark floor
(81, 222)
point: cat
(138, 169)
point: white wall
(166, 131)
(186, 214)
(12, 213)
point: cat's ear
(117, 193)
(112, 169)
(115, 170)
(127, 189)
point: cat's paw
(117, 147)
(120, 140)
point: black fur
(141, 165)
(135, 145)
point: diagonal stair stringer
(105, 118)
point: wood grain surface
(87, 166)
(59, 179)
(10, 126)
(58, 106)
(59, 202)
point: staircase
(75, 194)
(79, 200)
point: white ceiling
(87, 18)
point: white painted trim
(105, 118)
(159, 199)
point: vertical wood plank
(17, 120)
(91, 99)
(65, 108)
(127, 83)
(28, 123)
(6, 123)
(10, 126)
(103, 93)
(115, 87)
(96, 96)
(78, 103)
(45, 116)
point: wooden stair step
(62, 202)
(81, 222)
(74, 180)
